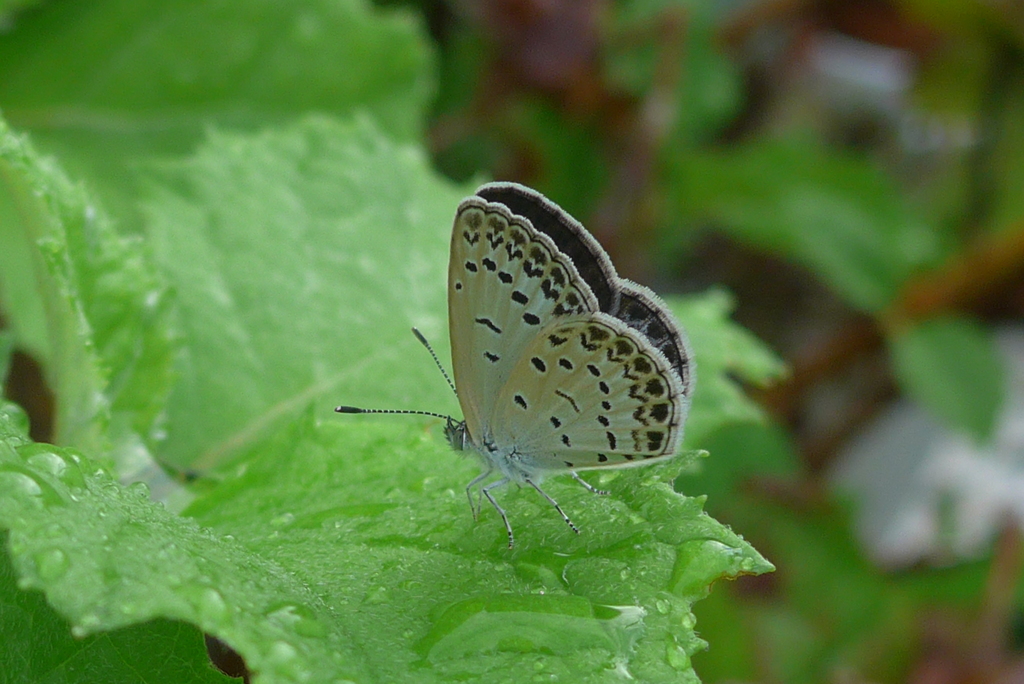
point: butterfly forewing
(505, 282)
(568, 235)
(590, 392)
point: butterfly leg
(475, 507)
(501, 511)
(555, 504)
(590, 487)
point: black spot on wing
(505, 277)
(471, 267)
(655, 387)
(489, 264)
(488, 323)
(539, 364)
(493, 358)
(556, 422)
(568, 399)
(611, 440)
(520, 298)
(531, 270)
(531, 319)
(642, 365)
(520, 401)
(565, 363)
(565, 440)
(623, 347)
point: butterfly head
(456, 433)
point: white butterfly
(560, 365)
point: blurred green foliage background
(849, 172)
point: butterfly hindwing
(505, 282)
(591, 392)
(644, 312)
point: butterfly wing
(589, 392)
(506, 281)
(646, 313)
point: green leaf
(37, 204)
(723, 352)
(837, 214)
(107, 557)
(38, 645)
(348, 551)
(108, 84)
(85, 303)
(301, 259)
(951, 366)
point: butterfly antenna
(355, 409)
(423, 341)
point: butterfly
(559, 364)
